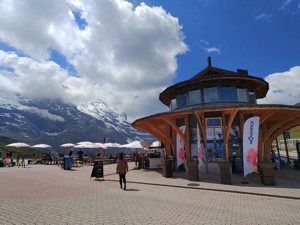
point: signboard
(97, 171)
(213, 122)
(287, 134)
(250, 145)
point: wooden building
(219, 101)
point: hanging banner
(180, 147)
(199, 145)
(250, 145)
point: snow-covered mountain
(54, 122)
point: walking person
(122, 168)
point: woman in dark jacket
(122, 168)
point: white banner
(250, 145)
(199, 145)
(180, 147)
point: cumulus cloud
(283, 87)
(124, 55)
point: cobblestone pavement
(46, 194)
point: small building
(217, 102)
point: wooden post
(286, 149)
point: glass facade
(227, 94)
(213, 94)
(242, 94)
(173, 104)
(195, 97)
(210, 94)
(181, 100)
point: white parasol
(136, 144)
(112, 145)
(41, 146)
(67, 145)
(84, 143)
(18, 145)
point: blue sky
(127, 52)
(260, 36)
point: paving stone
(46, 194)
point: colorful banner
(199, 145)
(180, 147)
(250, 145)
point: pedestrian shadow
(132, 189)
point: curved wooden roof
(274, 120)
(212, 75)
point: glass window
(210, 94)
(181, 100)
(173, 104)
(252, 97)
(242, 94)
(215, 145)
(227, 94)
(195, 97)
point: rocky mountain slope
(54, 122)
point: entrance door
(236, 156)
(215, 145)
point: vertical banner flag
(250, 145)
(199, 148)
(180, 147)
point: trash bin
(67, 162)
(140, 163)
(277, 163)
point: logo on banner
(180, 148)
(250, 145)
(199, 148)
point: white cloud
(204, 42)
(283, 87)
(124, 55)
(213, 49)
(264, 16)
(203, 45)
(286, 3)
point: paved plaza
(46, 194)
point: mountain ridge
(54, 122)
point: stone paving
(46, 194)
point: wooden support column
(187, 136)
(226, 132)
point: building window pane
(242, 94)
(195, 97)
(181, 100)
(210, 94)
(227, 94)
(173, 104)
(252, 97)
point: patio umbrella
(112, 145)
(84, 143)
(87, 145)
(156, 144)
(18, 145)
(67, 145)
(41, 146)
(100, 145)
(136, 144)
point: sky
(127, 52)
